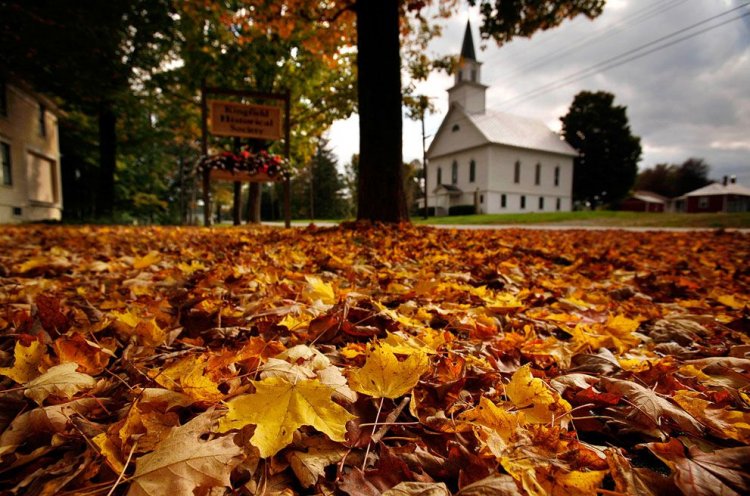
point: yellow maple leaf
(279, 407)
(384, 376)
(540, 404)
(316, 290)
(496, 426)
(189, 376)
(27, 362)
(149, 259)
(732, 424)
(111, 452)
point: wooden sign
(245, 121)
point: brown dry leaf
(309, 465)
(185, 463)
(91, 357)
(418, 489)
(496, 484)
(649, 405)
(723, 472)
(61, 381)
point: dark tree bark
(105, 199)
(381, 192)
(253, 204)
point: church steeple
(467, 90)
(467, 48)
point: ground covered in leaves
(366, 361)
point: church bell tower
(467, 91)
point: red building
(644, 201)
(717, 197)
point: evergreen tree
(608, 153)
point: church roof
(467, 49)
(522, 132)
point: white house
(30, 185)
(494, 161)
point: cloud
(686, 100)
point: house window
(3, 99)
(541, 203)
(17, 211)
(42, 121)
(523, 201)
(517, 172)
(440, 176)
(481, 199)
(538, 174)
(472, 171)
(474, 75)
(455, 128)
(503, 200)
(703, 202)
(557, 204)
(460, 76)
(557, 176)
(6, 177)
(454, 172)
(42, 179)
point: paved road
(545, 227)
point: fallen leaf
(185, 463)
(28, 360)
(540, 403)
(724, 422)
(61, 380)
(723, 472)
(309, 465)
(418, 489)
(279, 407)
(384, 376)
(317, 290)
(496, 484)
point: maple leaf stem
(374, 428)
(124, 468)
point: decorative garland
(259, 163)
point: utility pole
(424, 159)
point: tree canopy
(608, 153)
(674, 180)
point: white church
(496, 162)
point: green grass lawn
(604, 218)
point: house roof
(649, 197)
(721, 189)
(522, 132)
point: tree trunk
(381, 189)
(253, 204)
(105, 199)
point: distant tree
(658, 179)
(351, 180)
(691, 175)
(319, 192)
(608, 153)
(674, 180)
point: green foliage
(319, 192)
(674, 180)
(503, 20)
(606, 166)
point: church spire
(467, 90)
(467, 49)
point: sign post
(239, 120)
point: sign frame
(244, 120)
(285, 98)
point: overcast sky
(691, 99)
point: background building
(494, 161)
(30, 186)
